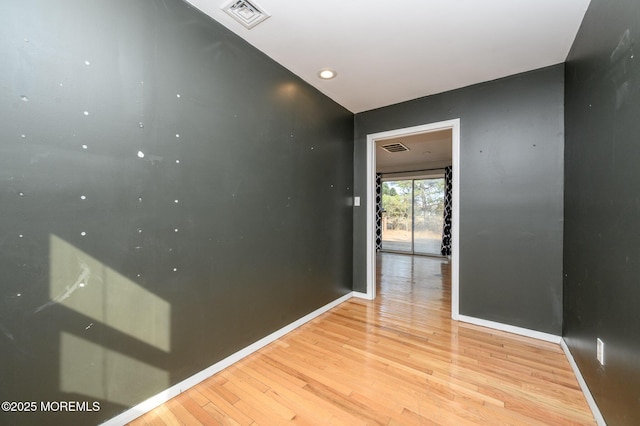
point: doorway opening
(372, 142)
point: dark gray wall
(602, 206)
(101, 298)
(511, 193)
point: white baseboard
(177, 389)
(511, 329)
(583, 385)
(360, 295)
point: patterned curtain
(445, 248)
(378, 211)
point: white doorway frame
(454, 125)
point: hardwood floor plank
(223, 406)
(218, 415)
(318, 408)
(167, 416)
(307, 373)
(203, 416)
(289, 395)
(259, 400)
(180, 411)
(409, 418)
(151, 418)
(194, 394)
(346, 404)
(398, 360)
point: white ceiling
(387, 52)
(427, 151)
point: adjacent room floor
(398, 360)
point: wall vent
(247, 13)
(394, 147)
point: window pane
(428, 212)
(396, 215)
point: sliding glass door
(428, 211)
(412, 212)
(397, 216)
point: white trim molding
(454, 125)
(175, 390)
(583, 385)
(361, 295)
(511, 329)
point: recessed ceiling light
(327, 74)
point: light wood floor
(398, 360)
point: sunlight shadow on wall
(89, 369)
(85, 285)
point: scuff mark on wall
(80, 282)
(623, 45)
(621, 59)
(7, 333)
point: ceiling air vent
(394, 147)
(247, 13)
